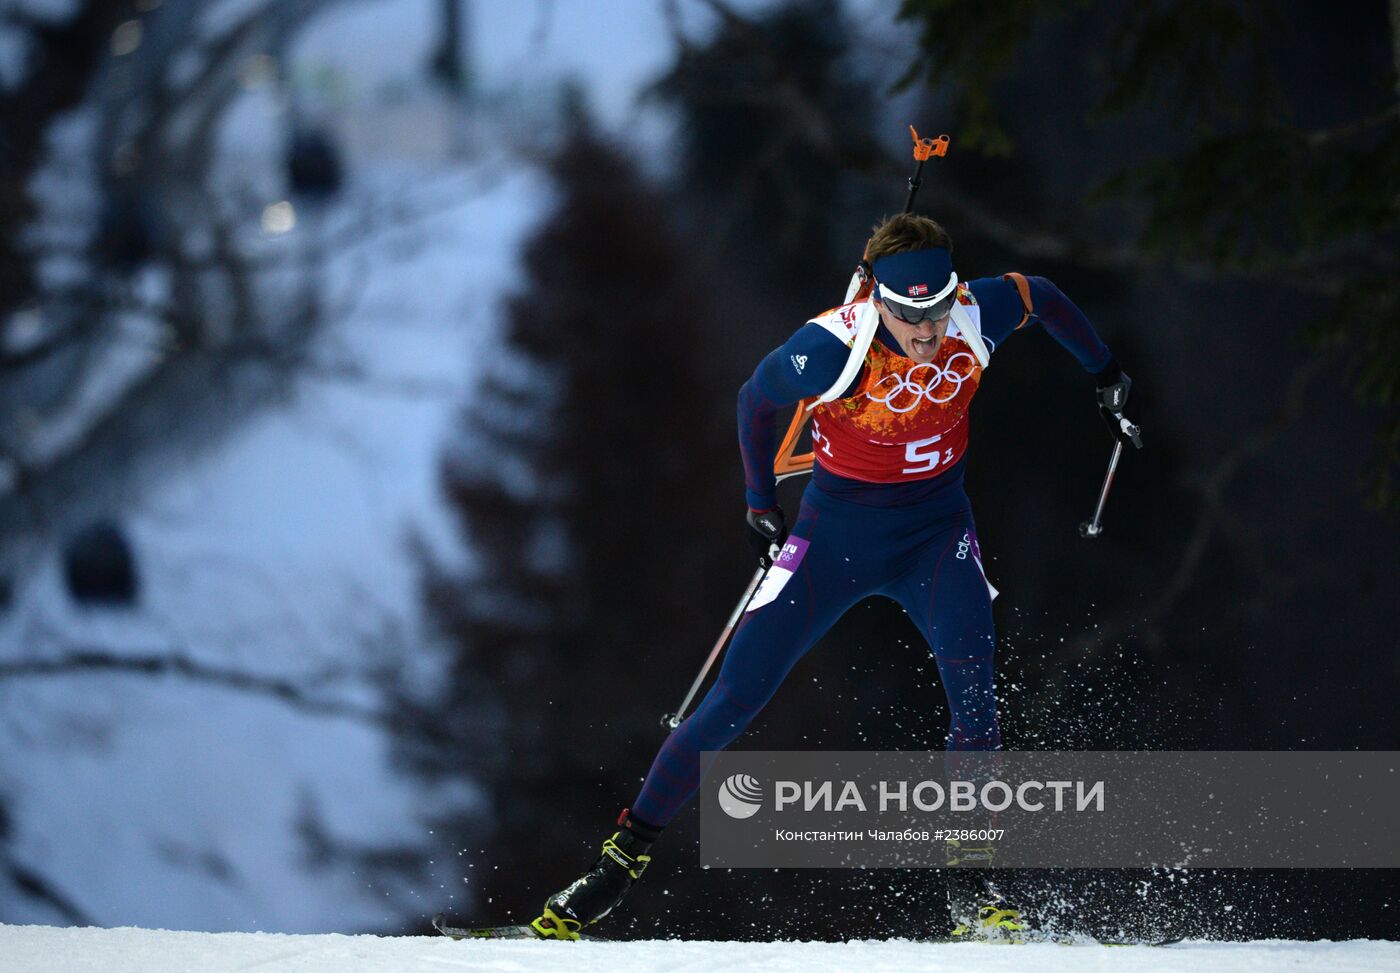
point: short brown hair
(904, 232)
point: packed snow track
(54, 950)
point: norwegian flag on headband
(918, 273)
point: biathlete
(884, 514)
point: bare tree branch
(31, 883)
(162, 663)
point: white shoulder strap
(968, 321)
(857, 331)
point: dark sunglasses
(917, 315)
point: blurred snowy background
(265, 251)
(360, 360)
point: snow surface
(146, 951)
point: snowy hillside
(277, 557)
(132, 950)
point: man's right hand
(767, 531)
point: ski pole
(1093, 528)
(673, 720)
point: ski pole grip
(1130, 430)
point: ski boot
(994, 922)
(977, 909)
(603, 886)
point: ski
(523, 931)
(1063, 940)
(1141, 942)
(1086, 940)
(444, 926)
(1031, 937)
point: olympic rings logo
(918, 390)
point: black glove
(1113, 387)
(767, 531)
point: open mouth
(925, 346)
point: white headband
(889, 295)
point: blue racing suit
(902, 529)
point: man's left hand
(1113, 387)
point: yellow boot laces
(553, 926)
(998, 925)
